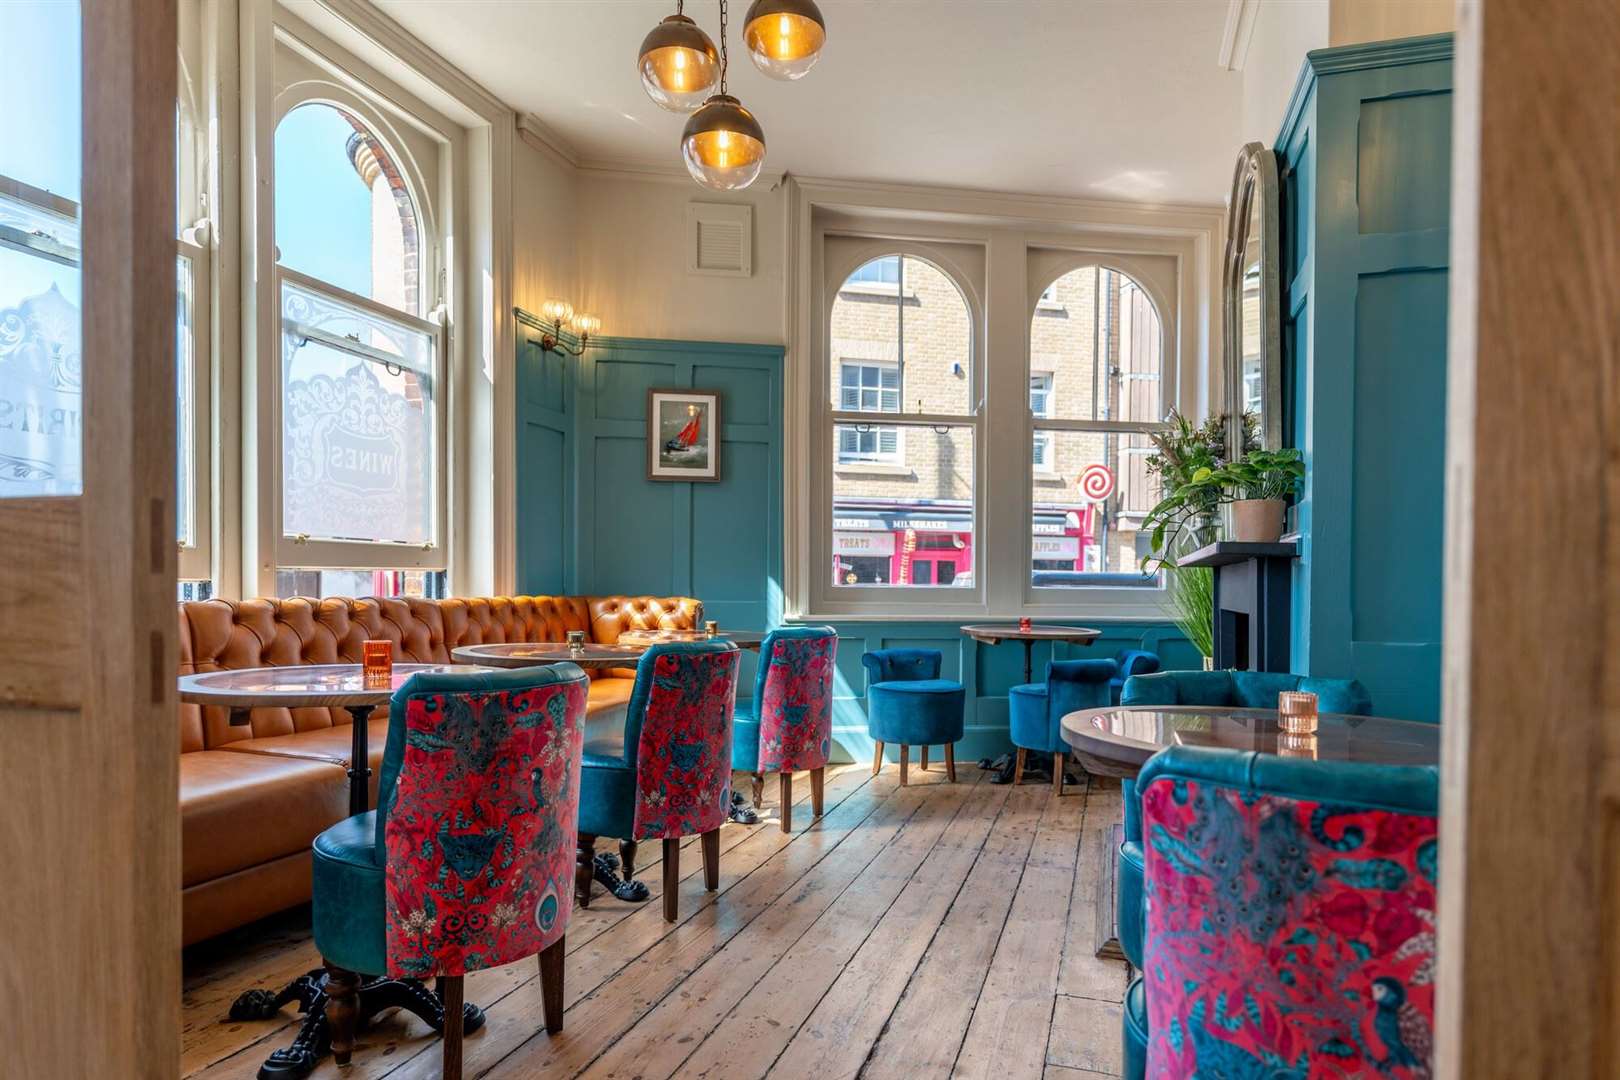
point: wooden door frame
(90, 954)
(1529, 949)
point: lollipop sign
(1096, 482)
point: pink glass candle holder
(1024, 625)
(377, 661)
(1296, 712)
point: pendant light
(784, 37)
(678, 63)
(723, 145)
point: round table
(1119, 740)
(996, 633)
(743, 639)
(303, 686)
(309, 686)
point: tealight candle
(1296, 712)
(711, 627)
(576, 642)
(377, 660)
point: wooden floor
(936, 930)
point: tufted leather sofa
(253, 797)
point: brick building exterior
(902, 341)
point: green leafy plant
(1186, 458)
(1264, 474)
(1191, 594)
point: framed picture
(683, 435)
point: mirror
(1252, 304)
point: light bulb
(556, 311)
(723, 145)
(784, 37)
(679, 64)
(585, 325)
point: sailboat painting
(682, 435)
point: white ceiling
(1116, 99)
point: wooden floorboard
(928, 931)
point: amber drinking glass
(377, 661)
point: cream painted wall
(544, 220)
(1355, 21)
(1284, 31)
(631, 263)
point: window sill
(873, 288)
(872, 469)
(1047, 474)
(1049, 305)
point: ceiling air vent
(719, 239)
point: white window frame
(1042, 445)
(836, 599)
(295, 552)
(197, 557)
(1048, 425)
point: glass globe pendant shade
(723, 145)
(679, 65)
(784, 37)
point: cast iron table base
(314, 1040)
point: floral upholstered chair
(667, 773)
(788, 726)
(468, 861)
(1290, 918)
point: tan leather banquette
(253, 797)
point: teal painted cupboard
(1365, 175)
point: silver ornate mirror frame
(1254, 201)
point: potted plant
(1185, 458)
(1256, 489)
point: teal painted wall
(590, 522)
(1365, 158)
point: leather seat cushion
(330, 744)
(240, 810)
(350, 908)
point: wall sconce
(560, 313)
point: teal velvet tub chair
(1035, 711)
(666, 774)
(1289, 918)
(468, 861)
(788, 725)
(908, 703)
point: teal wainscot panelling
(1365, 159)
(590, 522)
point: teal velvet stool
(667, 773)
(788, 725)
(1289, 917)
(1036, 710)
(908, 703)
(1197, 688)
(468, 860)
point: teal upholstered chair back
(901, 665)
(1290, 915)
(478, 802)
(1070, 685)
(1243, 690)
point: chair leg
(759, 790)
(584, 869)
(925, 757)
(551, 985)
(877, 759)
(1057, 773)
(787, 801)
(627, 856)
(905, 762)
(1018, 767)
(451, 990)
(711, 859)
(818, 780)
(342, 1010)
(950, 762)
(672, 879)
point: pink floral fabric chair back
(478, 817)
(680, 723)
(794, 692)
(1290, 912)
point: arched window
(361, 416)
(1096, 366)
(900, 341)
(343, 212)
